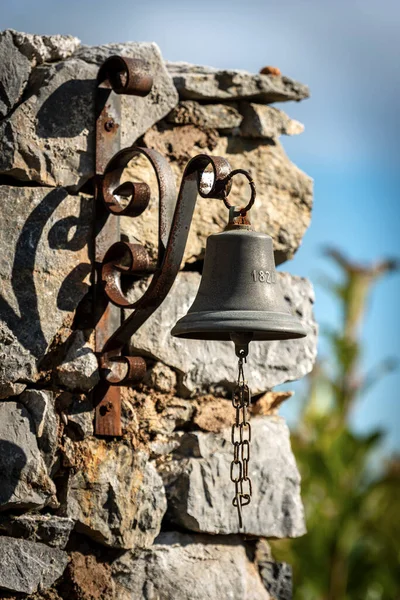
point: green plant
(352, 548)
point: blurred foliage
(352, 548)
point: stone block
(40, 404)
(261, 121)
(24, 481)
(115, 494)
(200, 492)
(187, 567)
(28, 567)
(79, 369)
(196, 82)
(80, 416)
(49, 529)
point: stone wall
(148, 516)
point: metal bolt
(109, 125)
(106, 408)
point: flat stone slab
(49, 529)
(27, 566)
(195, 82)
(200, 491)
(225, 117)
(250, 119)
(184, 567)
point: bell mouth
(220, 325)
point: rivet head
(109, 125)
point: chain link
(241, 438)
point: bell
(239, 297)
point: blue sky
(347, 52)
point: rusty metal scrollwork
(195, 181)
(116, 76)
(207, 176)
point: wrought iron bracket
(207, 176)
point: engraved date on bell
(264, 276)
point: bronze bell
(239, 297)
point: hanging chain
(241, 438)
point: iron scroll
(207, 176)
(170, 257)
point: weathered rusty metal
(107, 318)
(108, 141)
(250, 203)
(139, 193)
(238, 220)
(129, 369)
(116, 76)
(124, 259)
(196, 180)
(124, 75)
(116, 202)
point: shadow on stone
(12, 462)
(70, 234)
(22, 279)
(60, 115)
(60, 237)
(74, 281)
